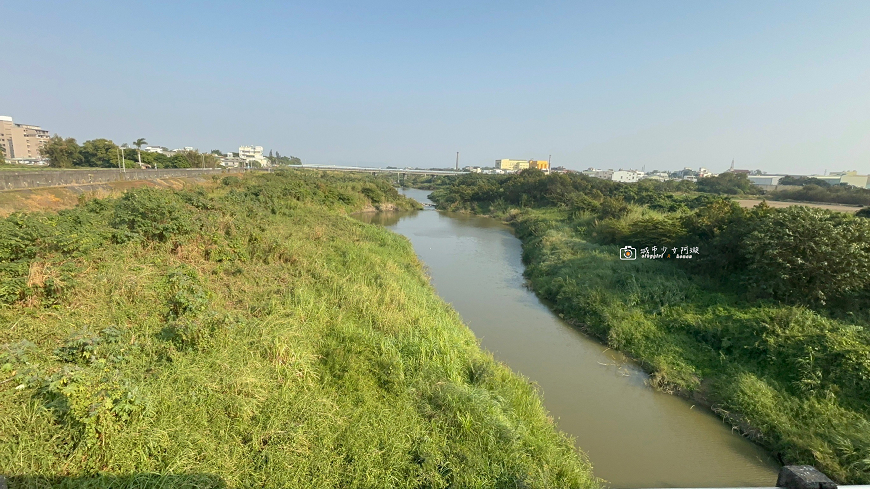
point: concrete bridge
(375, 171)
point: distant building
(732, 170)
(540, 165)
(627, 176)
(511, 165)
(231, 161)
(603, 174)
(657, 178)
(253, 153)
(21, 141)
(658, 175)
(155, 149)
(771, 180)
(852, 178)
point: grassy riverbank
(250, 334)
(783, 355)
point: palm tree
(139, 143)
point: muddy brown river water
(634, 435)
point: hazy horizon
(776, 86)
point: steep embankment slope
(250, 335)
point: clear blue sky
(779, 86)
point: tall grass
(271, 340)
(794, 379)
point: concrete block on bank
(803, 477)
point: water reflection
(386, 219)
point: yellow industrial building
(512, 165)
(540, 165)
(517, 165)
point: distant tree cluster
(835, 194)
(801, 181)
(278, 160)
(104, 153)
(728, 184)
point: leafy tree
(178, 160)
(101, 153)
(729, 183)
(793, 180)
(156, 160)
(839, 194)
(61, 153)
(217, 152)
(150, 214)
(809, 255)
(2, 156)
(285, 160)
(865, 212)
(139, 143)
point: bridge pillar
(803, 477)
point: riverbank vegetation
(250, 333)
(835, 194)
(767, 322)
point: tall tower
(732, 165)
(457, 161)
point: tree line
(104, 153)
(278, 160)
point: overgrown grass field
(251, 334)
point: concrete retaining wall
(10, 180)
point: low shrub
(150, 214)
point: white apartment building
(255, 153)
(604, 174)
(627, 176)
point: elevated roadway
(373, 170)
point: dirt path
(773, 203)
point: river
(634, 436)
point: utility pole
(457, 161)
(550, 157)
(203, 160)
